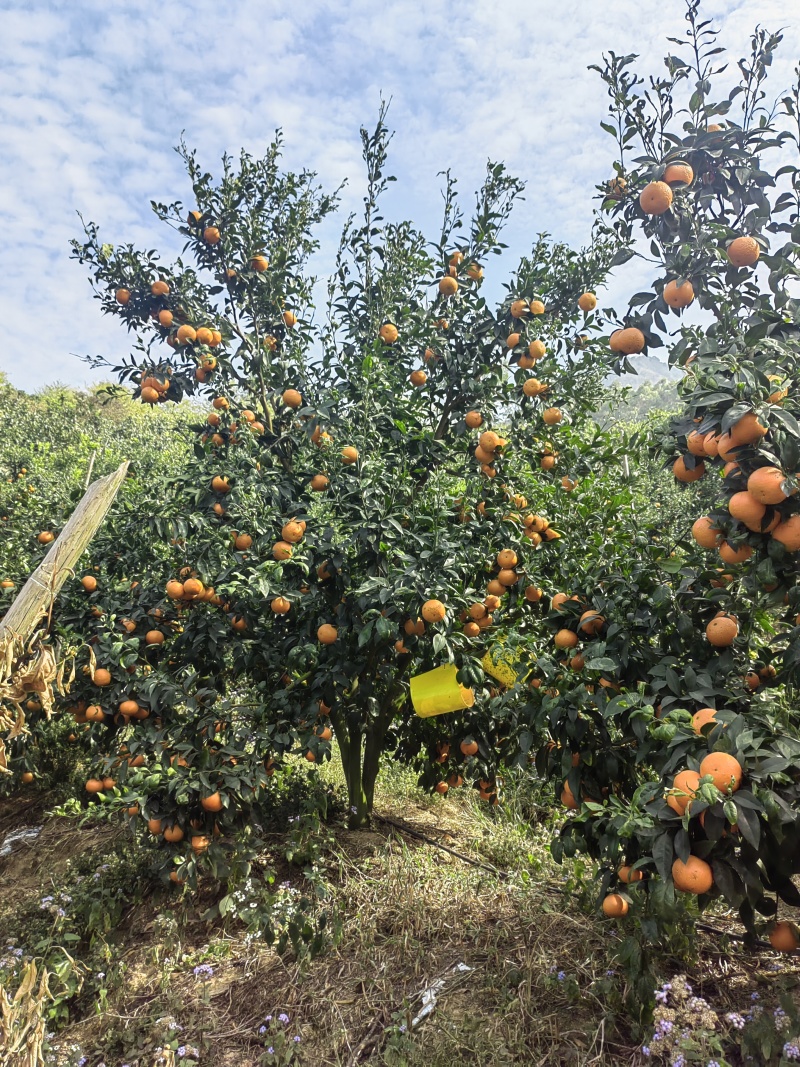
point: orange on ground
(783, 937)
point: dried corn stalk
(23, 1020)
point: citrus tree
(680, 754)
(354, 514)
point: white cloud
(92, 100)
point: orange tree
(680, 754)
(353, 514)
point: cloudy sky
(94, 96)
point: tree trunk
(361, 758)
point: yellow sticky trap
(437, 692)
(502, 665)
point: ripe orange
(259, 264)
(722, 631)
(587, 302)
(705, 533)
(292, 399)
(532, 387)
(684, 787)
(747, 430)
(696, 443)
(552, 416)
(94, 785)
(200, 843)
(508, 577)
(349, 454)
(185, 335)
(220, 484)
(694, 876)
(173, 834)
(725, 770)
(471, 629)
(507, 558)
(567, 796)
(213, 802)
(533, 594)
(749, 511)
(211, 235)
(687, 474)
(512, 340)
(473, 419)
(280, 605)
(788, 533)
(783, 937)
(154, 637)
(418, 377)
(474, 272)
(319, 483)
(388, 333)
(655, 198)
(448, 286)
(735, 555)
(165, 317)
(702, 717)
(89, 583)
(678, 296)
(630, 341)
(765, 484)
(679, 172)
(615, 906)
(174, 589)
(192, 588)
(292, 531)
(537, 349)
(281, 551)
(518, 308)
(122, 296)
(102, 677)
(627, 875)
(591, 622)
(289, 319)
(45, 537)
(565, 639)
(159, 288)
(433, 611)
(327, 634)
(469, 748)
(242, 542)
(537, 307)
(204, 336)
(743, 251)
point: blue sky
(93, 97)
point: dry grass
(410, 912)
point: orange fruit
(711, 444)
(159, 288)
(259, 264)
(655, 198)
(587, 302)
(537, 349)
(743, 251)
(448, 286)
(471, 629)
(204, 336)
(783, 937)
(220, 484)
(565, 639)
(749, 511)
(122, 296)
(388, 333)
(165, 317)
(200, 843)
(615, 906)
(473, 419)
(102, 677)
(627, 875)
(705, 533)
(788, 533)
(537, 307)
(211, 235)
(567, 796)
(280, 605)
(507, 558)
(678, 296)
(688, 474)
(289, 319)
(679, 172)
(213, 802)
(552, 416)
(747, 430)
(185, 335)
(292, 532)
(630, 341)
(281, 551)
(518, 308)
(735, 555)
(173, 834)
(591, 622)
(725, 770)
(174, 589)
(722, 631)
(154, 637)
(192, 588)
(94, 785)
(702, 717)
(684, 787)
(474, 272)
(291, 398)
(89, 583)
(533, 594)
(765, 484)
(349, 454)
(45, 537)
(418, 377)
(433, 611)
(319, 483)
(469, 748)
(512, 340)
(327, 634)
(242, 542)
(694, 876)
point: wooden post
(36, 597)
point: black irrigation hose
(504, 874)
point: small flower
(735, 1019)
(101, 975)
(204, 972)
(283, 1018)
(754, 996)
(645, 1051)
(271, 1051)
(268, 1019)
(791, 1050)
(262, 1029)
(713, 1063)
(182, 1051)
(296, 1039)
(561, 975)
(610, 974)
